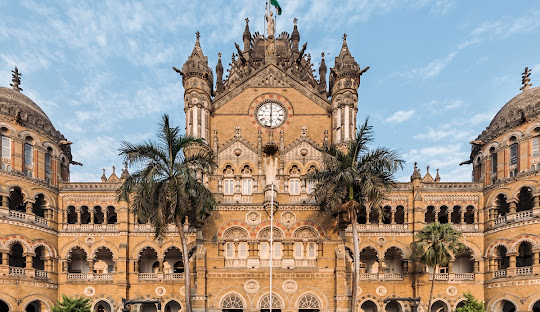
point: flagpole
(271, 241)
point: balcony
(160, 276)
(15, 271)
(524, 270)
(92, 227)
(89, 277)
(381, 276)
(379, 227)
(41, 274)
(499, 273)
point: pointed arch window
(514, 154)
(6, 148)
(536, 146)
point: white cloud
(401, 116)
(432, 69)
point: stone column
(476, 266)
(511, 271)
(513, 207)
(29, 208)
(4, 206)
(79, 214)
(160, 268)
(30, 271)
(136, 266)
(91, 215)
(90, 266)
(393, 215)
(536, 264)
(536, 205)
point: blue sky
(440, 70)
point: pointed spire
(525, 79)
(416, 173)
(427, 177)
(16, 79)
(103, 176)
(437, 177)
(295, 36)
(247, 36)
(197, 65)
(322, 74)
(219, 75)
(125, 172)
(344, 48)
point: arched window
(102, 306)
(29, 156)
(64, 170)
(99, 216)
(16, 258)
(525, 201)
(85, 215)
(232, 303)
(16, 200)
(362, 216)
(525, 257)
(502, 261)
(294, 181)
(71, 215)
(77, 261)
(38, 262)
(369, 261)
(5, 151)
(48, 162)
(38, 207)
(103, 261)
(247, 181)
(399, 215)
(4, 306)
(430, 214)
(228, 181)
(173, 262)
(513, 153)
(455, 216)
(172, 306)
(464, 262)
(111, 215)
(503, 208)
(309, 303)
(387, 215)
(277, 304)
(439, 306)
(147, 259)
(469, 215)
(443, 215)
(393, 260)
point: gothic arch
(143, 245)
(12, 131)
(50, 249)
(493, 247)
(110, 301)
(264, 224)
(369, 245)
(405, 253)
(309, 299)
(105, 245)
(476, 253)
(277, 232)
(70, 246)
(44, 300)
(235, 231)
(370, 299)
(18, 239)
(305, 231)
(516, 189)
(51, 201)
(36, 141)
(522, 238)
(534, 299)
(502, 296)
(233, 299)
(228, 224)
(3, 297)
(47, 144)
(492, 199)
(265, 305)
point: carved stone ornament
(381, 290)
(160, 291)
(89, 291)
(253, 218)
(359, 291)
(451, 291)
(288, 218)
(289, 286)
(381, 241)
(89, 241)
(251, 286)
(182, 291)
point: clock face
(271, 115)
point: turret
(198, 84)
(344, 83)
(322, 75)
(247, 37)
(295, 37)
(219, 75)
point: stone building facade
(267, 122)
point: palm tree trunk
(356, 261)
(432, 284)
(185, 258)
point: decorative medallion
(381, 241)
(253, 218)
(160, 291)
(289, 286)
(270, 111)
(288, 218)
(251, 286)
(89, 291)
(89, 241)
(451, 291)
(381, 291)
(182, 290)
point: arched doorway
(369, 306)
(4, 306)
(148, 307)
(439, 306)
(102, 306)
(536, 306)
(505, 306)
(393, 306)
(16, 258)
(277, 304)
(35, 306)
(172, 306)
(232, 303)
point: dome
(523, 107)
(16, 107)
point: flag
(276, 5)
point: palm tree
(76, 304)
(353, 177)
(166, 187)
(434, 246)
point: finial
(322, 55)
(198, 35)
(237, 132)
(427, 169)
(344, 37)
(16, 80)
(304, 130)
(437, 177)
(219, 55)
(113, 169)
(415, 165)
(103, 176)
(247, 20)
(525, 80)
(295, 20)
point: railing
(499, 273)
(392, 276)
(500, 220)
(92, 227)
(17, 271)
(523, 215)
(524, 270)
(464, 227)
(42, 274)
(143, 227)
(439, 276)
(149, 276)
(174, 276)
(463, 276)
(17, 214)
(368, 276)
(381, 276)
(79, 276)
(379, 227)
(103, 276)
(42, 221)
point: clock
(271, 114)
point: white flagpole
(271, 241)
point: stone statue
(270, 24)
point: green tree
(167, 185)
(75, 304)
(353, 177)
(434, 246)
(471, 305)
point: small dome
(524, 106)
(16, 107)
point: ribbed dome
(16, 97)
(16, 107)
(524, 106)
